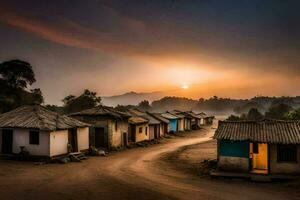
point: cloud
(64, 31)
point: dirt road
(162, 171)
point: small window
(34, 137)
(116, 125)
(146, 130)
(140, 130)
(286, 153)
(255, 148)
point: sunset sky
(188, 48)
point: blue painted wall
(234, 148)
(173, 125)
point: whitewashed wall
(83, 138)
(58, 142)
(21, 138)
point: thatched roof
(102, 111)
(266, 131)
(37, 117)
(159, 117)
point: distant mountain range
(131, 98)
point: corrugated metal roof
(38, 117)
(169, 116)
(267, 131)
(177, 114)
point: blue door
(173, 125)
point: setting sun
(185, 87)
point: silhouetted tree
(233, 118)
(15, 76)
(254, 114)
(17, 73)
(144, 105)
(278, 111)
(123, 108)
(86, 100)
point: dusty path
(140, 173)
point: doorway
(125, 139)
(132, 137)
(259, 158)
(72, 139)
(7, 141)
(101, 139)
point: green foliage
(123, 108)
(15, 77)
(254, 114)
(293, 115)
(233, 118)
(278, 111)
(55, 108)
(86, 100)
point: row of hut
(45, 133)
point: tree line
(17, 77)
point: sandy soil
(163, 171)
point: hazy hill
(131, 98)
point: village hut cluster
(43, 133)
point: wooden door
(72, 139)
(259, 157)
(101, 139)
(132, 133)
(125, 139)
(7, 141)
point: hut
(187, 120)
(172, 127)
(153, 123)
(180, 119)
(41, 132)
(208, 120)
(164, 123)
(195, 121)
(201, 115)
(138, 129)
(109, 128)
(260, 147)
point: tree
(15, 76)
(86, 100)
(254, 114)
(144, 105)
(17, 73)
(233, 118)
(278, 111)
(294, 115)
